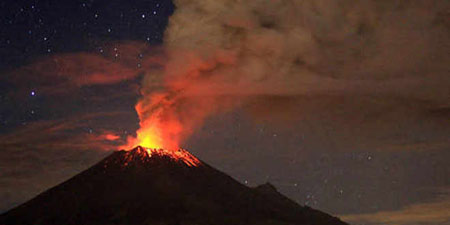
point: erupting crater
(143, 154)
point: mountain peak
(267, 187)
(143, 155)
(145, 186)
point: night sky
(352, 115)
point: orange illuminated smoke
(160, 131)
(157, 129)
(111, 137)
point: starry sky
(362, 133)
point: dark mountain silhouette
(145, 186)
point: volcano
(156, 186)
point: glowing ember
(147, 153)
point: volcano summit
(155, 186)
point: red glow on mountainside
(142, 154)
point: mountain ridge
(145, 186)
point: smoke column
(221, 53)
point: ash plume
(221, 54)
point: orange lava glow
(155, 132)
(147, 153)
(150, 137)
(159, 133)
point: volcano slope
(149, 186)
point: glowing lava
(158, 128)
(143, 154)
(149, 137)
(160, 131)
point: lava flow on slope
(146, 154)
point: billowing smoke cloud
(221, 53)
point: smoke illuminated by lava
(234, 51)
(157, 128)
